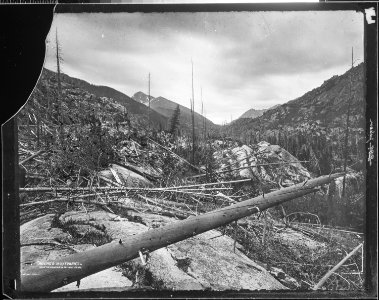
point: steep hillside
(167, 107)
(313, 126)
(326, 106)
(132, 106)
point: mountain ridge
(166, 107)
(129, 103)
(325, 105)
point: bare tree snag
(336, 267)
(193, 119)
(346, 141)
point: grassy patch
(140, 276)
(96, 235)
(183, 263)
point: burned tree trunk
(330, 201)
(37, 279)
(193, 119)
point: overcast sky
(242, 60)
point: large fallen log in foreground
(80, 265)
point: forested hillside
(313, 126)
(49, 80)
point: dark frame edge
(371, 69)
(11, 211)
(10, 205)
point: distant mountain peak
(166, 107)
(252, 113)
(142, 98)
(255, 113)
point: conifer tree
(174, 122)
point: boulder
(264, 162)
(125, 176)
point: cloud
(242, 60)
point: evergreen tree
(174, 122)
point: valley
(101, 170)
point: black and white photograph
(203, 151)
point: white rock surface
(206, 261)
(111, 277)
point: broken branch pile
(108, 255)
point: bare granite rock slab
(206, 261)
(111, 277)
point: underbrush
(140, 276)
(95, 234)
(307, 266)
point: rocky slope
(264, 163)
(138, 110)
(326, 106)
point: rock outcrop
(268, 162)
(203, 262)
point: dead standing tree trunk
(37, 279)
(331, 204)
(346, 142)
(193, 119)
(59, 94)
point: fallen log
(190, 193)
(336, 267)
(107, 188)
(225, 170)
(206, 189)
(67, 189)
(32, 156)
(326, 227)
(64, 200)
(205, 184)
(40, 279)
(73, 198)
(174, 204)
(35, 176)
(153, 202)
(152, 209)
